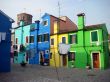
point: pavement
(37, 73)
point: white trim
(72, 51)
(91, 37)
(92, 58)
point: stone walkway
(36, 73)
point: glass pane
(64, 40)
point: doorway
(64, 60)
(96, 62)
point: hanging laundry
(3, 35)
(63, 48)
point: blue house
(44, 39)
(5, 41)
(33, 46)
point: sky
(96, 11)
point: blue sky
(97, 11)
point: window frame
(29, 39)
(44, 21)
(65, 39)
(38, 38)
(74, 56)
(44, 37)
(75, 38)
(91, 36)
(51, 41)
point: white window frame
(99, 58)
(91, 36)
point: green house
(89, 46)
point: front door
(95, 60)
(64, 60)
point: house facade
(60, 35)
(5, 42)
(33, 46)
(22, 36)
(89, 46)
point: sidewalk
(36, 73)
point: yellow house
(55, 58)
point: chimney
(37, 23)
(81, 22)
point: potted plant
(23, 64)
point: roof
(66, 25)
(90, 27)
(10, 19)
(25, 14)
(97, 26)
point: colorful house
(5, 41)
(62, 26)
(22, 36)
(89, 46)
(33, 46)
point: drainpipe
(37, 29)
(21, 24)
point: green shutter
(94, 36)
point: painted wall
(5, 25)
(44, 29)
(21, 33)
(34, 46)
(56, 59)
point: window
(94, 36)
(16, 40)
(27, 39)
(45, 22)
(73, 39)
(52, 41)
(71, 56)
(64, 40)
(39, 38)
(31, 39)
(46, 37)
(50, 55)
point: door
(95, 60)
(64, 60)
